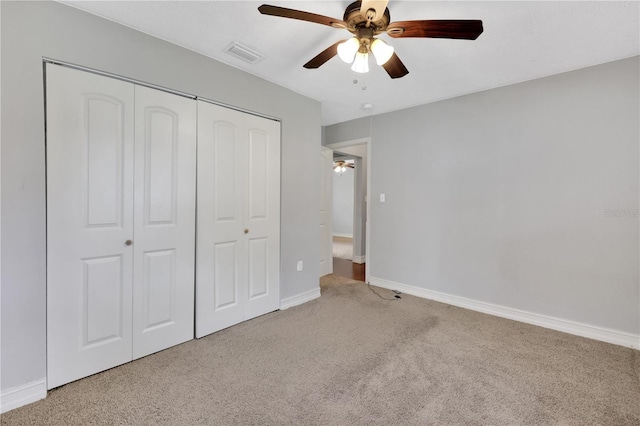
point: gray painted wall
(343, 203)
(31, 30)
(347, 131)
(524, 196)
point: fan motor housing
(354, 20)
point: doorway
(350, 231)
(344, 218)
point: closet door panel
(258, 260)
(262, 215)
(164, 221)
(221, 260)
(89, 217)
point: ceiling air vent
(243, 52)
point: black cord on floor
(382, 297)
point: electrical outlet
(300, 265)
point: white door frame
(361, 141)
(326, 204)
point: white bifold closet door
(238, 220)
(120, 222)
(164, 221)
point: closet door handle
(128, 242)
(246, 231)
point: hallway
(348, 269)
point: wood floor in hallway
(348, 269)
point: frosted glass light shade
(381, 51)
(361, 64)
(347, 50)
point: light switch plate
(382, 198)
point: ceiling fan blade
(283, 12)
(468, 29)
(378, 5)
(323, 56)
(395, 68)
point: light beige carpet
(351, 358)
(343, 248)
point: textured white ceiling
(521, 41)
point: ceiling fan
(340, 166)
(365, 20)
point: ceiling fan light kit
(365, 20)
(348, 49)
(361, 63)
(382, 51)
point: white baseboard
(23, 395)
(299, 299)
(335, 234)
(579, 329)
(359, 259)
